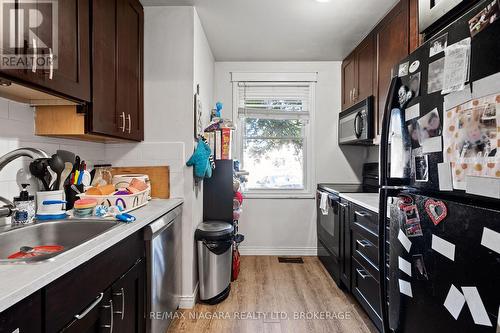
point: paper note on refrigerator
(405, 288)
(432, 145)
(444, 247)
(491, 240)
(412, 112)
(444, 176)
(405, 241)
(404, 266)
(456, 66)
(476, 306)
(454, 302)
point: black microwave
(434, 14)
(356, 124)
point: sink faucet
(9, 207)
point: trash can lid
(214, 230)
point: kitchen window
(274, 143)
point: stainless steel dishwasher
(163, 257)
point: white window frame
(309, 163)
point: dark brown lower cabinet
(23, 317)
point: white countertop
(367, 200)
(18, 281)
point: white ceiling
(284, 30)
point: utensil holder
(72, 191)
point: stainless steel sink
(67, 233)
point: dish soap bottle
(25, 205)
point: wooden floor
(267, 289)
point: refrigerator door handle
(384, 135)
(382, 261)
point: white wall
(287, 226)
(17, 126)
(177, 57)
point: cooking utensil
(65, 174)
(57, 165)
(38, 168)
(75, 171)
(53, 177)
(66, 156)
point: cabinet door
(129, 89)
(348, 80)
(128, 295)
(96, 318)
(102, 118)
(70, 73)
(23, 317)
(20, 46)
(365, 57)
(392, 46)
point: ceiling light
(323, 1)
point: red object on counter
(37, 251)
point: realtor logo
(28, 35)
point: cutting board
(159, 176)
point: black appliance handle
(358, 125)
(384, 135)
(383, 194)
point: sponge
(85, 203)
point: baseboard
(277, 251)
(189, 301)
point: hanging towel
(323, 203)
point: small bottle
(25, 207)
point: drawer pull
(122, 294)
(363, 243)
(110, 307)
(361, 214)
(343, 205)
(362, 273)
(91, 306)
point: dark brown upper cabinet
(348, 80)
(67, 44)
(392, 35)
(369, 68)
(357, 73)
(117, 61)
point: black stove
(332, 216)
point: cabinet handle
(51, 64)
(110, 307)
(91, 306)
(363, 243)
(129, 123)
(343, 205)
(361, 214)
(350, 95)
(354, 94)
(122, 294)
(362, 273)
(33, 65)
(122, 116)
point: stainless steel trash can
(214, 242)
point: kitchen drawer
(365, 217)
(366, 290)
(365, 251)
(75, 291)
(23, 317)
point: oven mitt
(201, 160)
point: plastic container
(126, 201)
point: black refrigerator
(439, 214)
